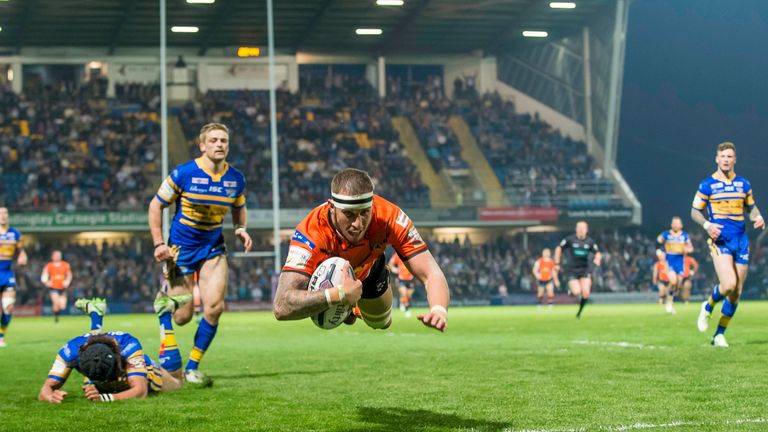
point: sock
(96, 322)
(541, 300)
(4, 321)
(714, 299)
(582, 303)
(55, 316)
(203, 338)
(170, 356)
(661, 300)
(726, 313)
(550, 300)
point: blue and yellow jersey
(137, 363)
(202, 200)
(726, 200)
(674, 243)
(10, 243)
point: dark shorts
(545, 283)
(187, 260)
(57, 291)
(377, 282)
(578, 273)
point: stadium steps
(178, 145)
(479, 165)
(440, 189)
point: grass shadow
(240, 376)
(394, 419)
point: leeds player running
(357, 225)
(204, 191)
(725, 196)
(578, 272)
(676, 245)
(10, 247)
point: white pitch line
(638, 426)
(618, 344)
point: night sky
(696, 74)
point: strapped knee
(7, 303)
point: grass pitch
(497, 369)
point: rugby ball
(327, 275)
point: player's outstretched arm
(598, 259)
(138, 390)
(50, 391)
(424, 267)
(155, 217)
(293, 301)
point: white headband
(352, 202)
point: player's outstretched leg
(96, 308)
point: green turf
(510, 368)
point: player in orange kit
(546, 276)
(57, 276)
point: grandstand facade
(490, 149)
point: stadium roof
(419, 26)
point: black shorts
(545, 283)
(377, 282)
(578, 273)
(57, 291)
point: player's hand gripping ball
(326, 276)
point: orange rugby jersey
(662, 267)
(57, 272)
(402, 271)
(546, 269)
(316, 240)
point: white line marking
(637, 426)
(619, 344)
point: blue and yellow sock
(97, 322)
(203, 338)
(4, 321)
(714, 299)
(726, 313)
(170, 356)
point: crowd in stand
(429, 111)
(62, 150)
(334, 123)
(126, 272)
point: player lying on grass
(357, 225)
(114, 364)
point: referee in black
(578, 247)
